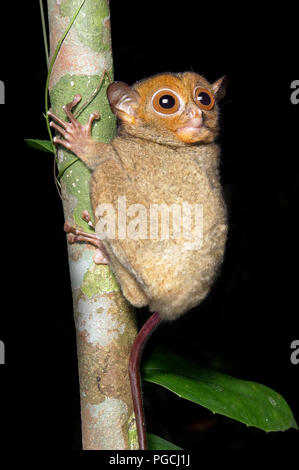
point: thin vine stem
(44, 30)
(62, 171)
(93, 94)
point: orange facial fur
(190, 124)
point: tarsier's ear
(123, 101)
(219, 87)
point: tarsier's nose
(195, 114)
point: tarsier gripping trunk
(156, 196)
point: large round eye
(204, 98)
(166, 102)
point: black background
(246, 325)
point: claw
(85, 216)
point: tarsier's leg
(129, 285)
(75, 235)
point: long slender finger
(68, 107)
(72, 238)
(57, 119)
(91, 118)
(62, 142)
(69, 229)
(59, 129)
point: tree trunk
(105, 323)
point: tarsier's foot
(74, 235)
(76, 136)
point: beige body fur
(160, 273)
(158, 159)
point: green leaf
(157, 443)
(248, 402)
(44, 145)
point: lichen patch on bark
(94, 318)
(79, 267)
(132, 433)
(93, 25)
(98, 277)
(98, 432)
(80, 53)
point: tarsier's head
(169, 108)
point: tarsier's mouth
(191, 131)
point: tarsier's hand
(76, 136)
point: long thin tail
(134, 371)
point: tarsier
(164, 154)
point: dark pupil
(167, 101)
(204, 98)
